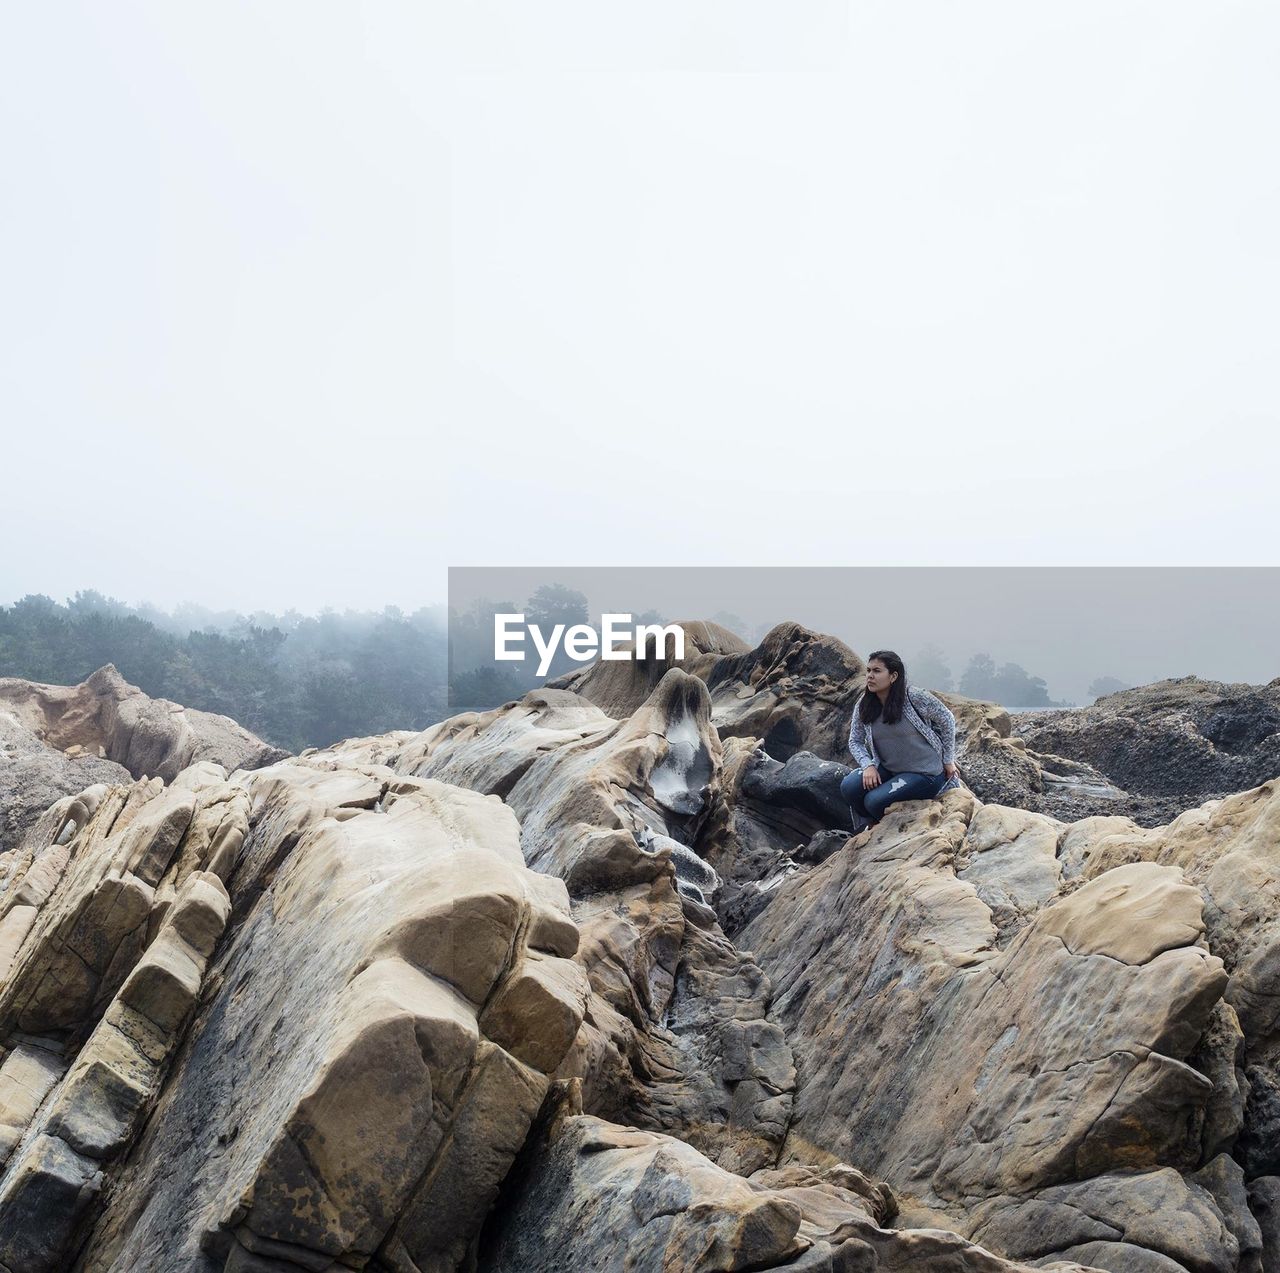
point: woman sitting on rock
(904, 740)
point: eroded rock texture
(677, 1034)
(795, 691)
(1045, 1062)
(392, 1001)
(347, 1011)
(1172, 744)
(592, 1195)
(56, 740)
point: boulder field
(601, 979)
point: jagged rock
(27, 1075)
(676, 1034)
(620, 686)
(34, 776)
(957, 1069)
(56, 740)
(821, 846)
(1228, 850)
(760, 828)
(589, 1194)
(92, 887)
(151, 737)
(394, 994)
(794, 691)
(97, 1108)
(1220, 1058)
(804, 783)
(1046, 1036)
(1264, 1204)
(602, 803)
(1223, 1179)
(1150, 1220)
(1172, 744)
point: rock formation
(795, 693)
(56, 740)
(602, 979)
(1170, 745)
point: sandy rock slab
(375, 1040)
(676, 1035)
(151, 737)
(34, 775)
(1230, 850)
(591, 1195)
(964, 1070)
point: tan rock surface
(676, 1034)
(959, 1070)
(351, 1077)
(150, 737)
(592, 1195)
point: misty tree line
(1008, 684)
(294, 680)
(304, 681)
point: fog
(1069, 626)
(303, 304)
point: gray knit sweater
(928, 713)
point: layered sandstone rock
(677, 1034)
(378, 1033)
(590, 1194)
(56, 740)
(391, 1004)
(109, 916)
(306, 1016)
(1230, 850)
(1009, 1046)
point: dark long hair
(869, 704)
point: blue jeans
(893, 787)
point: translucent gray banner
(1047, 636)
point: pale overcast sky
(301, 303)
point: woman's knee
(851, 787)
(877, 800)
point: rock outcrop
(677, 1035)
(603, 979)
(1170, 745)
(592, 1195)
(56, 740)
(795, 692)
(34, 775)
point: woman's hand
(950, 770)
(870, 777)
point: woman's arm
(857, 740)
(940, 716)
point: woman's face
(879, 678)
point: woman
(904, 740)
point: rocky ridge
(600, 979)
(56, 740)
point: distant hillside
(296, 681)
